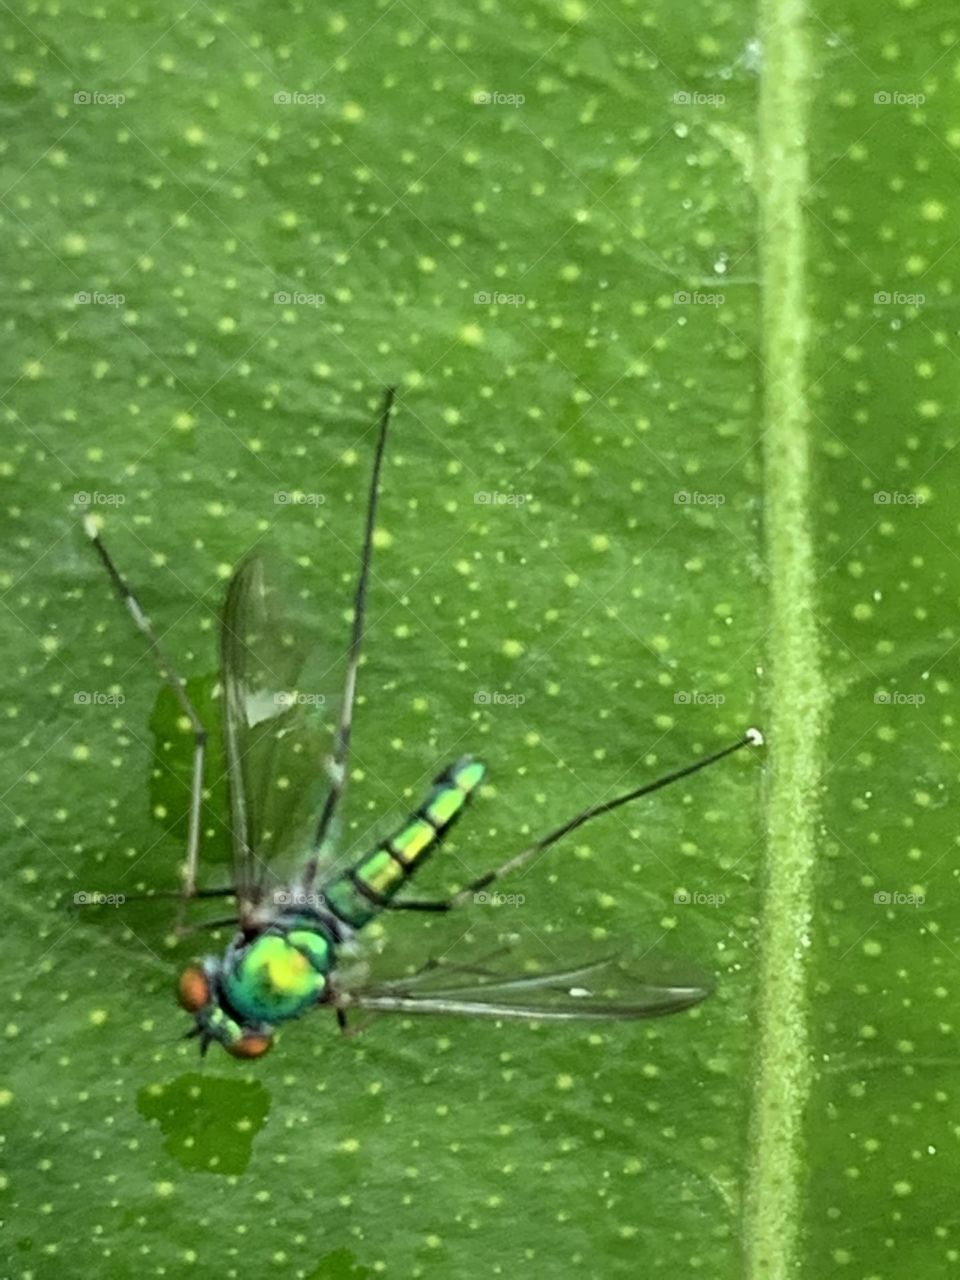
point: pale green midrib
(796, 705)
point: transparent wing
(602, 989)
(281, 703)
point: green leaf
(667, 293)
(191, 1112)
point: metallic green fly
(297, 914)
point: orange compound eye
(252, 1044)
(193, 989)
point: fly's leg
(337, 767)
(169, 673)
(357, 1029)
(101, 899)
(180, 929)
(752, 738)
(221, 922)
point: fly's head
(199, 991)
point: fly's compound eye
(252, 1044)
(193, 989)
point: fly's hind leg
(173, 679)
(221, 922)
(358, 1028)
(475, 889)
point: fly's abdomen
(360, 893)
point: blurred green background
(271, 215)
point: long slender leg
(751, 738)
(227, 892)
(358, 1028)
(185, 930)
(338, 765)
(169, 673)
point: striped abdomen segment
(360, 893)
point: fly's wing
(281, 702)
(602, 989)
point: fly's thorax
(278, 975)
(319, 918)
